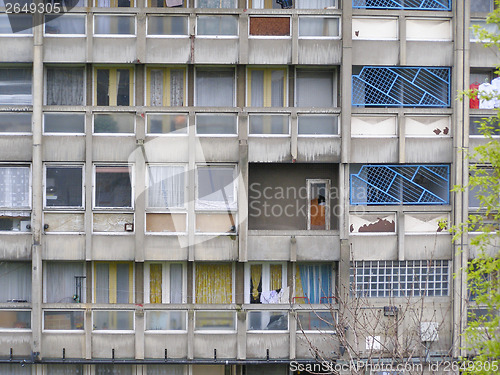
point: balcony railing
(444, 5)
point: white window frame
(217, 36)
(217, 135)
(18, 35)
(165, 273)
(64, 66)
(114, 134)
(64, 331)
(18, 133)
(338, 37)
(69, 134)
(133, 35)
(235, 2)
(186, 36)
(44, 185)
(284, 135)
(327, 182)
(450, 39)
(373, 19)
(132, 186)
(84, 16)
(179, 134)
(114, 331)
(250, 36)
(235, 186)
(266, 278)
(30, 190)
(170, 331)
(182, 209)
(305, 114)
(428, 135)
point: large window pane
(15, 319)
(167, 123)
(216, 188)
(216, 3)
(15, 279)
(267, 321)
(113, 282)
(65, 86)
(63, 320)
(214, 320)
(15, 187)
(114, 320)
(166, 320)
(113, 188)
(64, 282)
(315, 89)
(318, 27)
(267, 87)
(168, 25)
(313, 283)
(63, 186)
(315, 321)
(114, 25)
(217, 25)
(64, 123)
(220, 124)
(213, 283)
(318, 125)
(16, 24)
(113, 123)
(215, 88)
(166, 186)
(15, 122)
(70, 24)
(114, 86)
(15, 86)
(269, 125)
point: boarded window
(382, 223)
(425, 222)
(375, 28)
(426, 29)
(373, 126)
(427, 126)
(270, 26)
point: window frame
(217, 36)
(267, 85)
(335, 84)
(17, 329)
(316, 312)
(166, 70)
(114, 5)
(69, 66)
(265, 278)
(44, 186)
(30, 188)
(235, 2)
(333, 272)
(184, 36)
(376, 134)
(312, 136)
(368, 38)
(309, 183)
(170, 134)
(383, 215)
(165, 291)
(127, 209)
(113, 71)
(169, 331)
(70, 134)
(273, 135)
(446, 214)
(233, 286)
(132, 35)
(495, 134)
(45, 281)
(339, 30)
(112, 271)
(450, 39)
(182, 209)
(215, 68)
(148, 2)
(114, 331)
(408, 115)
(117, 134)
(14, 34)
(18, 133)
(265, 331)
(63, 331)
(49, 35)
(221, 114)
(28, 68)
(234, 166)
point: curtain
(103, 3)
(176, 283)
(64, 369)
(166, 189)
(215, 88)
(60, 282)
(123, 283)
(215, 4)
(256, 279)
(214, 283)
(257, 88)
(165, 370)
(258, 4)
(155, 283)
(65, 86)
(313, 4)
(276, 276)
(16, 88)
(315, 282)
(15, 187)
(156, 87)
(216, 188)
(102, 282)
(314, 89)
(277, 88)
(15, 281)
(177, 87)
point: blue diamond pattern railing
(401, 87)
(400, 184)
(403, 4)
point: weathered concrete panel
(216, 248)
(64, 247)
(226, 345)
(277, 343)
(417, 53)
(113, 247)
(269, 150)
(217, 150)
(431, 246)
(216, 51)
(111, 222)
(165, 247)
(307, 343)
(321, 248)
(429, 150)
(371, 247)
(53, 344)
(155, 345)
(374, 150)
(480, 57)
(319, 52)
(15, 246)
(16, 148)
(20, 343)
(168, 50)
(64, 148)
(262, 247)
(114, 50)
(64, 222)
(269, 51)
(19, 49)
(113, 148)
(166, 149)
(102, 345)
(65, 49)
(375, 52)
(318, 150)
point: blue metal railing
(401, 87)
(400, 184)
(403, 4)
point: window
(114, 3)
(315, 125)
(216, 124)
(319, 27)
(483, 6)
(65, 86)
(66, 24)
(216, 3)
(63, 186)
(166, 370)
(267, 320)
(112, 321)
(114, 123)
(314, 321)
(213, 283)
(168, 25)
(165, 283)
(166, 321)
(113, 282)
(64, 282)
(16, 24)
(270, 26)
(216, 187)
(269, 124)
(215, 321)
(114, 86)
(112, 186)
(314, 283)
(318, 204)
(315, 88)
(267, 87)
(165, 3)
(400, 278)
(105, 24)
(63, 320)
(484, 189)
(15, 319)
(263, 4)
(427, 29)
(15, 122)
(266, 283)
(15, 184)
(402, 4)
(315, 4)
(419, 223)
(400, 184)
(493, 125)
(166, 186)
(166, 87)
(67, 122)
(167, 124)
(215, 87)
(15, 278)
(217, 26)
(15, 86)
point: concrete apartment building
(192, 186)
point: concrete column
(191, 188)
(243, 189)
(402, 137)
(141, 36)
(345, 82)
(294, 19)
(242, 332)
(292, 326)
(139, 333)
(402, 39)
(243, 39)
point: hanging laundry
(486, 93)
(474, 100)
(285, 4)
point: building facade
(203, 186)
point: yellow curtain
(299, 292)
(155, 280)
(214, 283)
(256, 274)
(276, 276)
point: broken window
(64, 24)
(168, 25)
(319, 27)
(113, 282)
(114, 86)
(266, 283)
(318, 207)
(213, 283)
(314, 125)
(15, 198)
(63, 122)
(15, 86)
(373, 223)
(267, 320)
(314, 283)
(114, 123)
(164, 283)
(217, 26)
(216, 124)
(112, 186)
(63, 186)
(11, 122)
(15, 279)
(166, 87)
(215, 3)
(64, 282)
(315, 88)
(65, 86)
(167, 124)
(215, 87)
(105, 24)
(267, 87)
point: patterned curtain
(155, 281)
(315, 282)
(256, 276)
(156, 87)
(216, 3)
(166, 188)
(177, 87)
(214, 283)
(276, 276)
(65, 86)
(14, 187)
